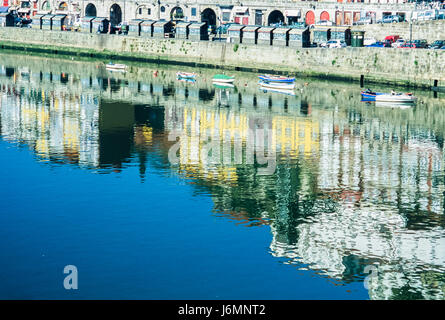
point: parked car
(392, 39)
(324, 23)
(23, 23)
(390, 19)
(423, 15)
(363, 21)
(421, 43)
(380, 44)
(336, 44)
(399, 43)
(437, 44)
(430, 15)
(369, 41)
(409, 44)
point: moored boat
(394, 105)
(279, 86)
(116, 66)
(186, 75)
(396, 97)
(222, 78)
(221, 85)
(188, 80)
(282, 91)
(275, 78)
(369, 95)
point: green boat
(222, 78)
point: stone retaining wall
(397, 66)
(428, 30)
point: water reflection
(354, 185)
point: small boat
(369, 95)
(223, 85)
(279, 86)
(186, 75)
(396, 97)
(282, 91)
(276, 78)
(394, 105)
(116, 66)
(188, 80)
(222, 78)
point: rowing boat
(279, 86)
(396, 97)
(222, 78)
(186, 75)
(275, 78)
(116, 66)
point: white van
(425, 15)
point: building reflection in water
(351, 188)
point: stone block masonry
(428, 30)
(412, 67)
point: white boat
(394, 105)
(282, 91)
(279, 86)
(396, 97)
(116, 66)
(186, 75)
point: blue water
(353, 209)
(133, 240)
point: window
(140, 10)
(193, 12)
(162, 9)
(149, 11)
(226, 15)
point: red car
(392, 39)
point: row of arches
(208, 15)
(277, 16)
(115, 13)
(46, 6)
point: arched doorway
(275, 17)
(209, 16)
(90, 10)
(46, 6)
(63, 6)
(115, 15)
(324, 15)
(310, 18)
(177, 13)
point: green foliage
(235, 47)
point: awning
(292, 13)
(24, 10)
(240, 10)
(4, 9)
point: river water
(155, 188)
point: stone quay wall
(411, 67)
